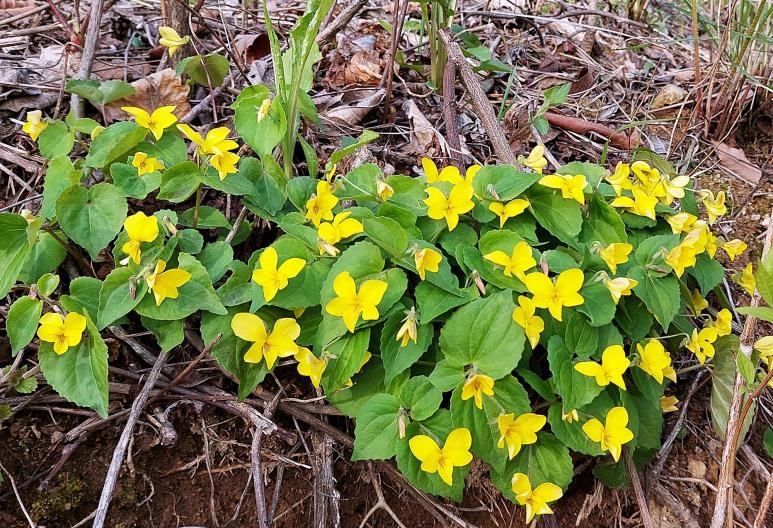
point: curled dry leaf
(734, 160)
(364, 68)
(424, 137)
(353, 106)
(252, 47)
(670, 94)
(163, 88)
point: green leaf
(506, 182)
(571, 434)
(189, 240)
(114, 142)
(46, 284)
(598, 304)
(767, 441)
(661, 295)
(100, 93)
(541, 124)
(723, 379)
(602, 223)
(264, 135)
(55, 140)
(762, 312)
(216, 257)
(482, 333)
(592, 172)
(388, 234)
(574, 388)
(171, 149)
(266, 194)
(46, 255)
(556, 95)
(633, 318)
(368, 381)
(116, 298)
(60, 175)
(22, 322)
(179, 182)
(581, 337)
(26, 385)
(128, 181)
(433, 301)
(299, 190)
(367, 136)
(209, 218)
(509, 397)
(421, 398)
(168, 334)
(708, 272)
(561, 217)
(91, 217)
(349, 353)
(375, 433)
(15, 247)
(764, 278)
(397, 358)
(80, 374)
(196, 294)
(83, 297)
(208, 70)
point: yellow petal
(249, 327)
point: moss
(64, 498)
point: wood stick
(450, 116)
(340, 22)
(617, 139)
(89, 50)
(638, 490)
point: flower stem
(196, 207)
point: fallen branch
(579, 125)
(641, 500)
(450, 115)
(256, 468)
(340, 22)
(89, 50)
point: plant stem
(196, 207)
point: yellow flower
(384, 190)
(34, 125)
(310, 365)
(698, 302)
(171, 39)
(216, 142)
(161, 118)
(63, 332)
(145, 165)
(680, 258)
(616, 253)
(733, 248)
(320, 206)
(408, 332)
(265, 106)
(272, 278)
(647, 176)
(509, 210)
(668, 404)
(518, 431)
(97, 130)
(681, 222)
(341, 227)
(458, 202)
(674, 188)
(224, 164)
(764, 346)
(536, 500)
(702, 343)
(571, 187)
(619, 180)
(554, 295)
(613, 366)
(449, 174)
(570, 416)
(532, 325)
(426, 259)
(536, 159)
(724, 322)
(280, 342)
(350, 304)
(613, 434)
(516, 264)
(642, 204)
(715, 207)
(139, 228)
(164, 284)
(476, 386)
(619, 287)
(655, 361)
(455, 453)
(746, 280)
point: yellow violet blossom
(161, 118)
(224, 163)
(536, 500)
(63, 332)
(476, 386)
(733, 248)
(571, 187)
(265, 107)
(613, 366)
(571, 416)
(620, 286)
(680, 258)
(555, 294)
(532, 325)
(715, 206)
(164, 284)
(320, 206)
(215, 143)
(517, 264)
(280, 342)
(310, 365)
(145, 164)
(139, 228)
(612, 434)
(536, 159)
(350, 304)
(516, 431)
(619, 179)
(668, 404)
(341, 227)
(746, 280)
(448, 174)
(764, 346)
(642, 204)
(681, 222)
(272, 278)
(724, 322)
(408, 331)
(698, 302)
(615, 253)
(674, 188)
(171, 40)
(384, 191)
(34, 125)
(508, 210)
(434, 459)
(426, 259)
(701, 343)
(458, 202)
(655, 361)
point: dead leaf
(163, 88)
(364, 68)
(585, 80)
(352, 106)
(252, 47)
(669, 95)
(9, 8)
(734, 160)
(425, 139)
